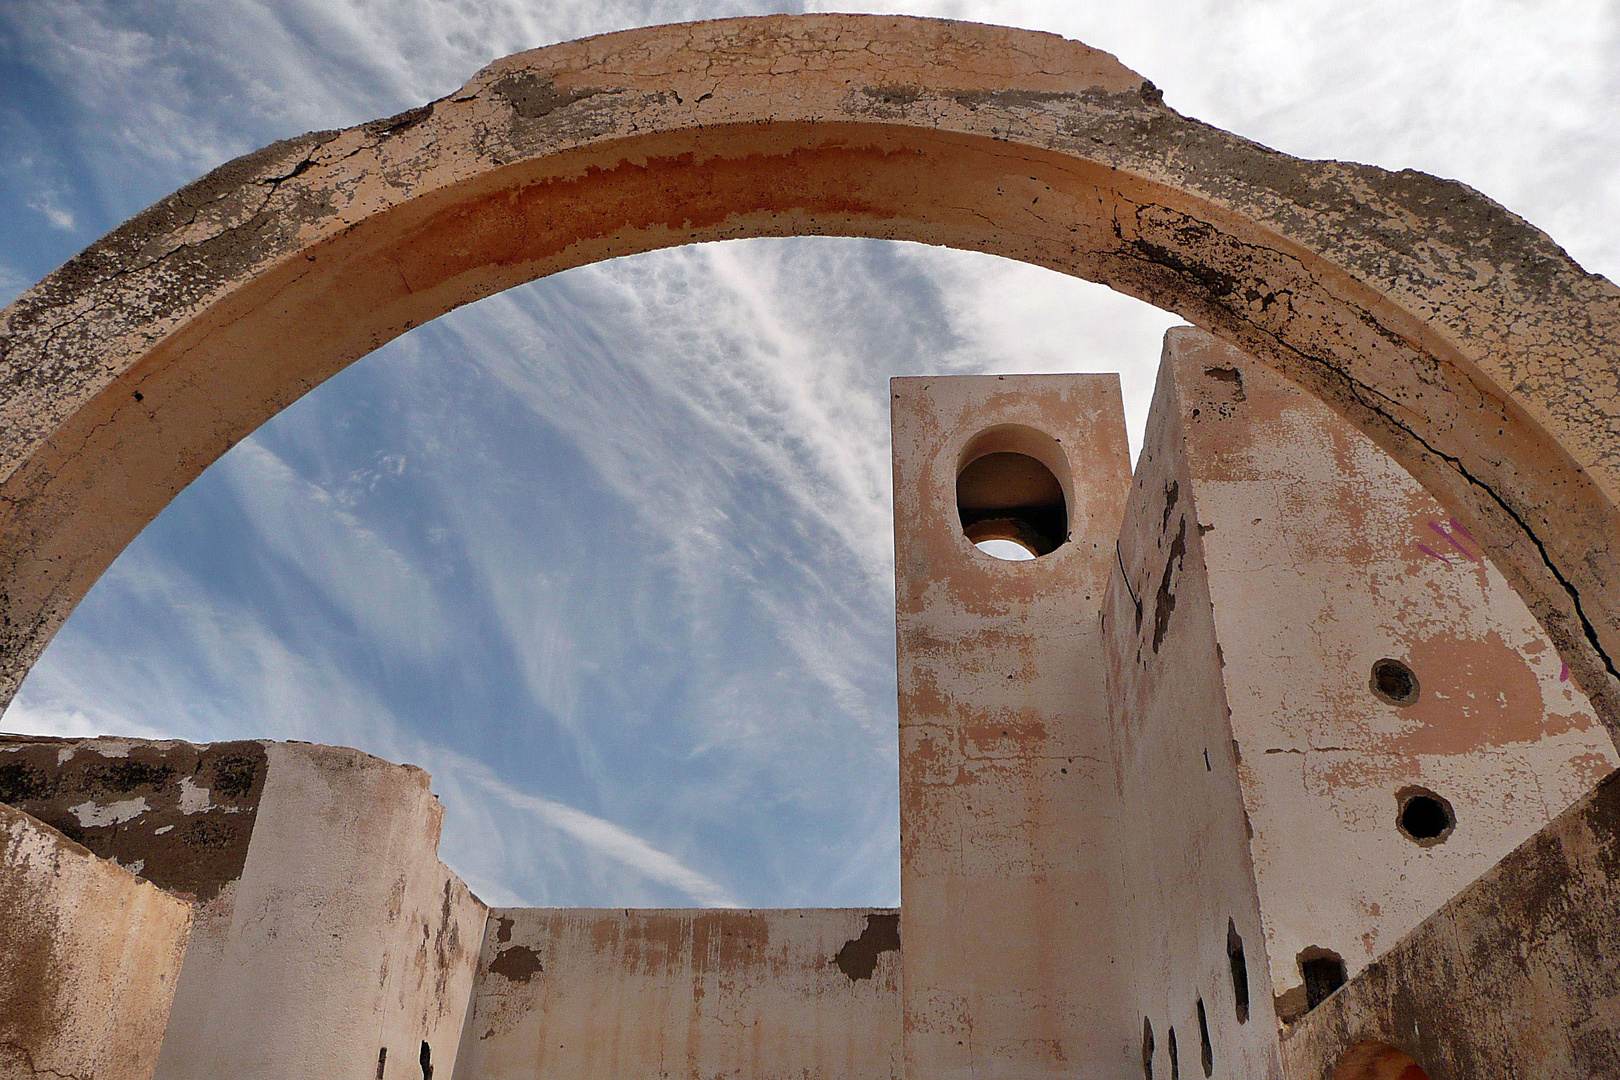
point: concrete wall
(1514, 979)
(327, 929)
(1185, 884)
(1323, 557)
(1012, 959)
(716, 995)
(89, 957)
(179, 815)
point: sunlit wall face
(610, 554)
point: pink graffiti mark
(1427, 550)
(1563, 672)
(1450, 531)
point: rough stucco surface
(1012, 963)
(1517, 977)
(1459, 337)
(1185, 881)
(343, 935)
(89, 957)
(177, 814)
(686, 995)
(1325, 556)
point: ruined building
(1289, 755)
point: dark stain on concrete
(1172, 495)
(892, 95)
(503, 931)
(532, 97)
(858, 958)
(517, 964)
(190, 854)
(1165, 603)
(404, 121)
(1232, 377)
(31, 1009)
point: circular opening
(1378, 1061)
(1011, 503)
(1394, 682)
(1424, 817)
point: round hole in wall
(1378, 1061)
(1010, 497)
(1394, 682)
(1424, 817)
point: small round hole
(1424, 818)
(1394, 682)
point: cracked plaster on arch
(1418, 269)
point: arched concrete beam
(1461, 338)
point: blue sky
(610, 554)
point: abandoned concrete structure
(1290, 755)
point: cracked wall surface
(1323, 557)
(1516, 978)
(1457, 336)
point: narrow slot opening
(1206, 1051)
(1240, 972)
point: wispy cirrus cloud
(610, 553)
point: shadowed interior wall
(89, 958)
(1186, 887)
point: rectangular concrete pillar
(1012, 954)
(686, 995)
(89, 958)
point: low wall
(718, 994)
(89, 956)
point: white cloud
(617, 844)
(610, 554)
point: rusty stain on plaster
(859, 956)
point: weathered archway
(1461, 338)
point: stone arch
(1461, 338)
